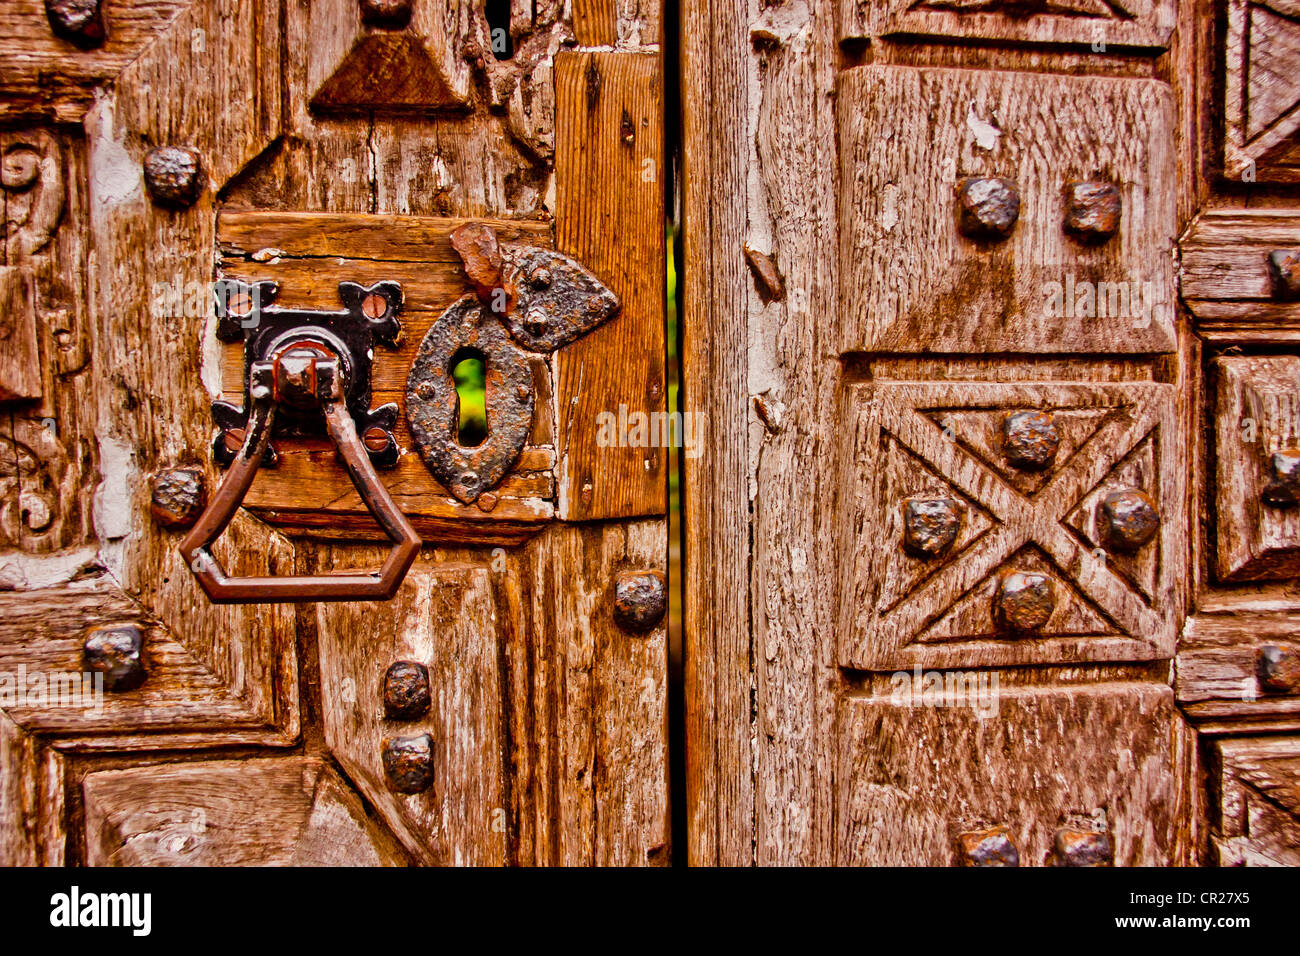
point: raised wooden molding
(1100, 23)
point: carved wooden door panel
(508, 704)
(992, 308)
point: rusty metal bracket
(306, 371)
(543, 300)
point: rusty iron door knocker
(305, 369)
(543, 300)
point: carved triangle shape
(1137, 470)
(906, 476)
(971, 617)
(979, 431)
(387, 73)
(1272, 82)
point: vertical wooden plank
(593, 699)
(610, 216)
(716, 608)
(595, 22)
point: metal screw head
(173, 175)
(1127, 519)
(408, 763)
(406, 691)
(931, 525)
(80, 22)
(987, 208)
(179, 497)
(1025, 601)
(1082, 848)
(1030, 440)
(1093, 210)
(117, 652)
(1283, 488)
(640, 599)
(1278, 669)
(388, 14)
(1284, 270)
(991, 847)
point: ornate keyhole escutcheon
(529, 299)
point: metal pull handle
(304, 374)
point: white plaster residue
(781, 24)
(889, 214)
(113, 518)
(115, 176)
(210, 360)
(986, 134)
(27, 572)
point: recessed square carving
(1256, 419)
(1098, 23)
(1034, 573)
(1256, 810)
(917, 277)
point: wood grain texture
(44, 75)
(913, 282)
(591, 701)
(625, 24)
(42, 636)
(1133, 23)
(919, 438)
(1257, 413)
(1216, 672)
(1225, 276)
(1257, 812)
(147, 371)
(271, 812)
(609, 166)
(444, 617)
(1260, 92)
(717, 646)
(1111, 757)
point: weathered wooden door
(508, 705)
(992, 544)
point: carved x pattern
(912, 415)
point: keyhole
(469, 372)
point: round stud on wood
(987, 208)
(1093, 210)
(117, 652)
(80, 22)
(640, 600)
(1030, 440)
(1082, 848)
(178, 498)
(1025, 601)
(386, 14)
(406, 691)
(19, 169)
(173, 175)
(408, 763)
(1284, 270)
(1128, 519)
(1283, 488)
(931, 525)
(991, 847)
(1278, 669)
